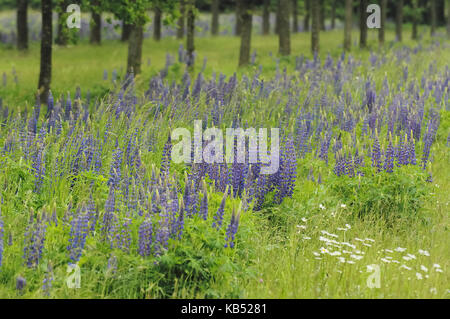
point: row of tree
(182, 13)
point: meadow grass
(275, 255)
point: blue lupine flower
(145, 238)
(232, 229)
(389, 158)
(218, 217)
(78, 232)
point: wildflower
(343, 206)
(321, 207)
(324, 250)
(419, 276)
(78, 233)
(405, 267)
(20, 283)
(400, 249)
(341, 259)
(145, 238)
(218, 217)
(232, 228)
(423, 268)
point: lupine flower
(204, 205)
(389, 158)
(232, 229)
(47, 282)
(20, 283)
(218, 217)
(376, 154)
(78, 233)
(166, 157)
(34, 242)
(145, 238)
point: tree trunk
(62, 31)
(157, 24)
(22, 24)
(322, 15)
(277, 18)
(190, 48)
(433, 16)
(246, 32)
(295, 16)
(284, 35)
(448, 18)
(307, 15)
(135, 49)
(348, 25)
(383, 7)
(399, 20)
(215, 17)
(363, 24)
(333, 14)
(96, 25)
(315, 26)
(126, 29)
(180, 22)
(45, 75)
(237, 31)
(414, 34)
(266, 17)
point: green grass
(273, 259)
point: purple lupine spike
(412, 152)
(78, 232)
(218, 217)
(145, 238)
(35, 235)
(166, 157)
(115, 171)
(287, 171)
(21, 282)
(232, 229)
(389, 158)
(122, 238)
(162, 235)
(204, 205)
(47, 282)
(376, 154)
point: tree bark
(315, 26)
(277, 18)
(414, 34)
(348, 25)
(266, 17)
(237, 30)
(62, 31)
(45, 74)
(96, 25)
(284, 35)
(322, 15)
(190, 48)
(363, 24)
(399, 20)
(180, 22)
(433, 16)
(157, 24)
(215, 17)
(307, 15)
(383, 7)
(22, 24)
(333, 14)
(246, 32)
(135, 49)
(447, 3)
(295, 16)
(126, 29)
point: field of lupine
(89, 191)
